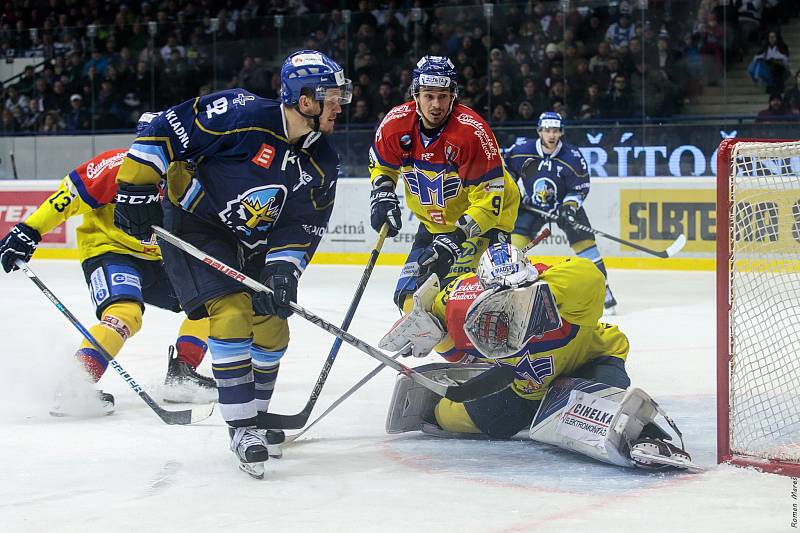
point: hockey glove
(20, 243)
(439, 255)
(566, 214)
(384, 207)
(281, 277)
(528, 169)
(138, 208)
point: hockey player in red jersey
(123, 273)
(455, 180)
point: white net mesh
(764, 196)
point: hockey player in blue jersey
(260, 198)
(553, 176)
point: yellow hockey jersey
(459, 171)
(89, 190)
(579, 290)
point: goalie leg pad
(412, 404)
(593, 419)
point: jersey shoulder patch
(95, 179)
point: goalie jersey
(274, 196)
(89, 190)
(458, 171)
(559, 177)
(579, 290)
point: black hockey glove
(281, 277)
(137, 209)
(20, 243)
(528, 167)
(566, 214)
(439, 255)
(384, 207)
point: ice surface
(131, 472)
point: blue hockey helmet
(549, 119)
(309, 69)
(434, 71)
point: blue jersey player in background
(259, 197)
(553, 176)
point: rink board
(650, 211)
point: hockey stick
(276, 421)
(671, 250)
(492, 381)
(189, 416)
(340, 399)
(542, 235)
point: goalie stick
(276, 421)
(487, 383)
(188, 416)
(671, 250)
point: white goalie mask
(504, 265)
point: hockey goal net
(758, 304)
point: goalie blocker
(593, 419)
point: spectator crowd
(98, 64)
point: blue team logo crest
(534, 372)
(254, 212)
(426, 187)
(545, 192)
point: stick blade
(489, 382)
(676, 246)
(188, 416)
(276, 421)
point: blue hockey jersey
(560, 176)
(275, 197)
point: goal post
(758, 304)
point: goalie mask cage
(758, 304)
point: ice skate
(655, 454)
(71, 402)
(185, 385)
(250, 446)
(275, 439)
(610, 303)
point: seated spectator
(617, 102)
(360, 113)
(385, 99)
(775, 109)
(51, 123)
(591, 104)
(770, 65)
(525, 112)
(77, 117)
(8, 123)
(499, 114)
(532, 95)
(31, 116)
(791, 99)
(621, 31)
(15, 101)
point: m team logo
(426, 187)
(254, 212)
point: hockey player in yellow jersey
(543, 320)
(122, 274)
(454, 179)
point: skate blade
(275, 451)
(668, 461)
(254, 470)
(188, 394)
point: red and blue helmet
(434, 71)
(309, 69)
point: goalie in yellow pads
(544, 321)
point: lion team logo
(544, 192)
(426, 187)
(254, 212)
